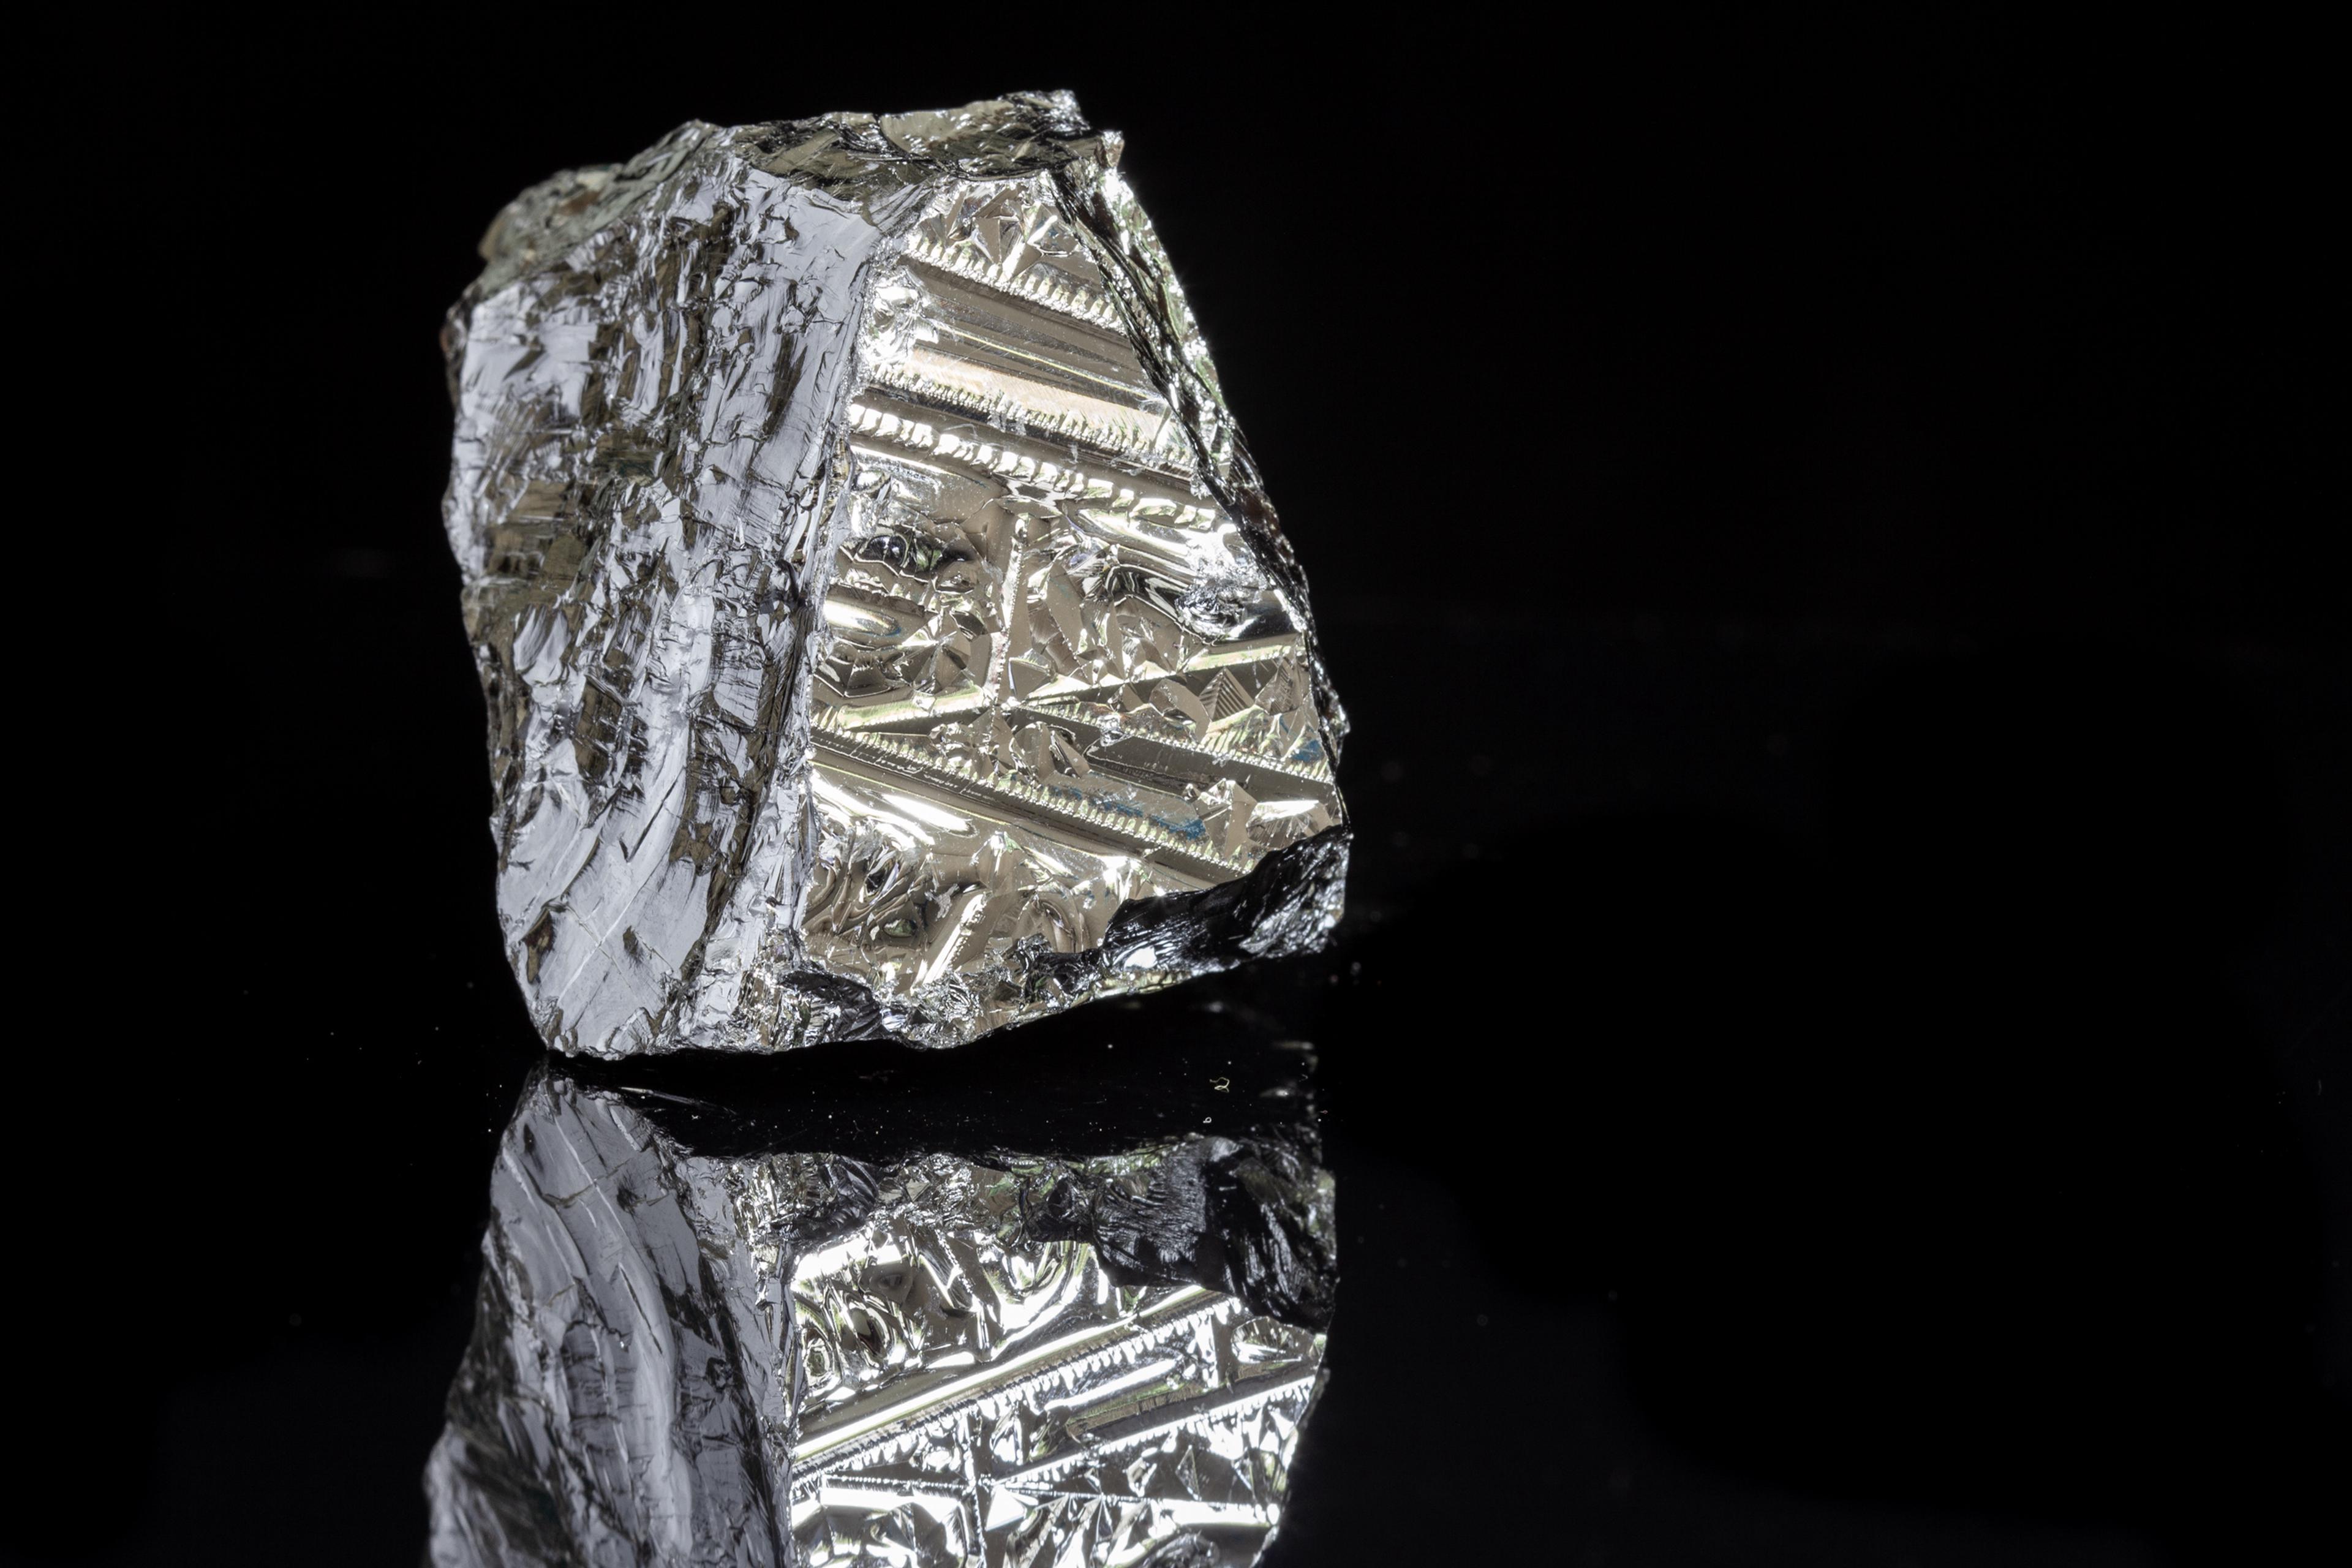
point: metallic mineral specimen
(884, 629)
(699, 1344)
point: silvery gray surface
(884, 628)
(795, 1356)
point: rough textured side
(643, 418)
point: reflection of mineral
(766, 1351)
(878, 611)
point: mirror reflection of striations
(914, 1308)
(884, 628)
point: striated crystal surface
(884, 626)
(855, 1335)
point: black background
(1835, 1051)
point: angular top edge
(853, 154)
(1013, 135)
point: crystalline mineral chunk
(884, 628)
(706, 1338)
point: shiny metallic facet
(879, 610)
(798, 1357)
(973, 1395)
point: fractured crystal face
(884, 629)
(757, 1349)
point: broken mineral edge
(884, 629)
(704, 1338)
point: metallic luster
(884, 629)
(772, 1355)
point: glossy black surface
(1847, 999)
(1201, 1054)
